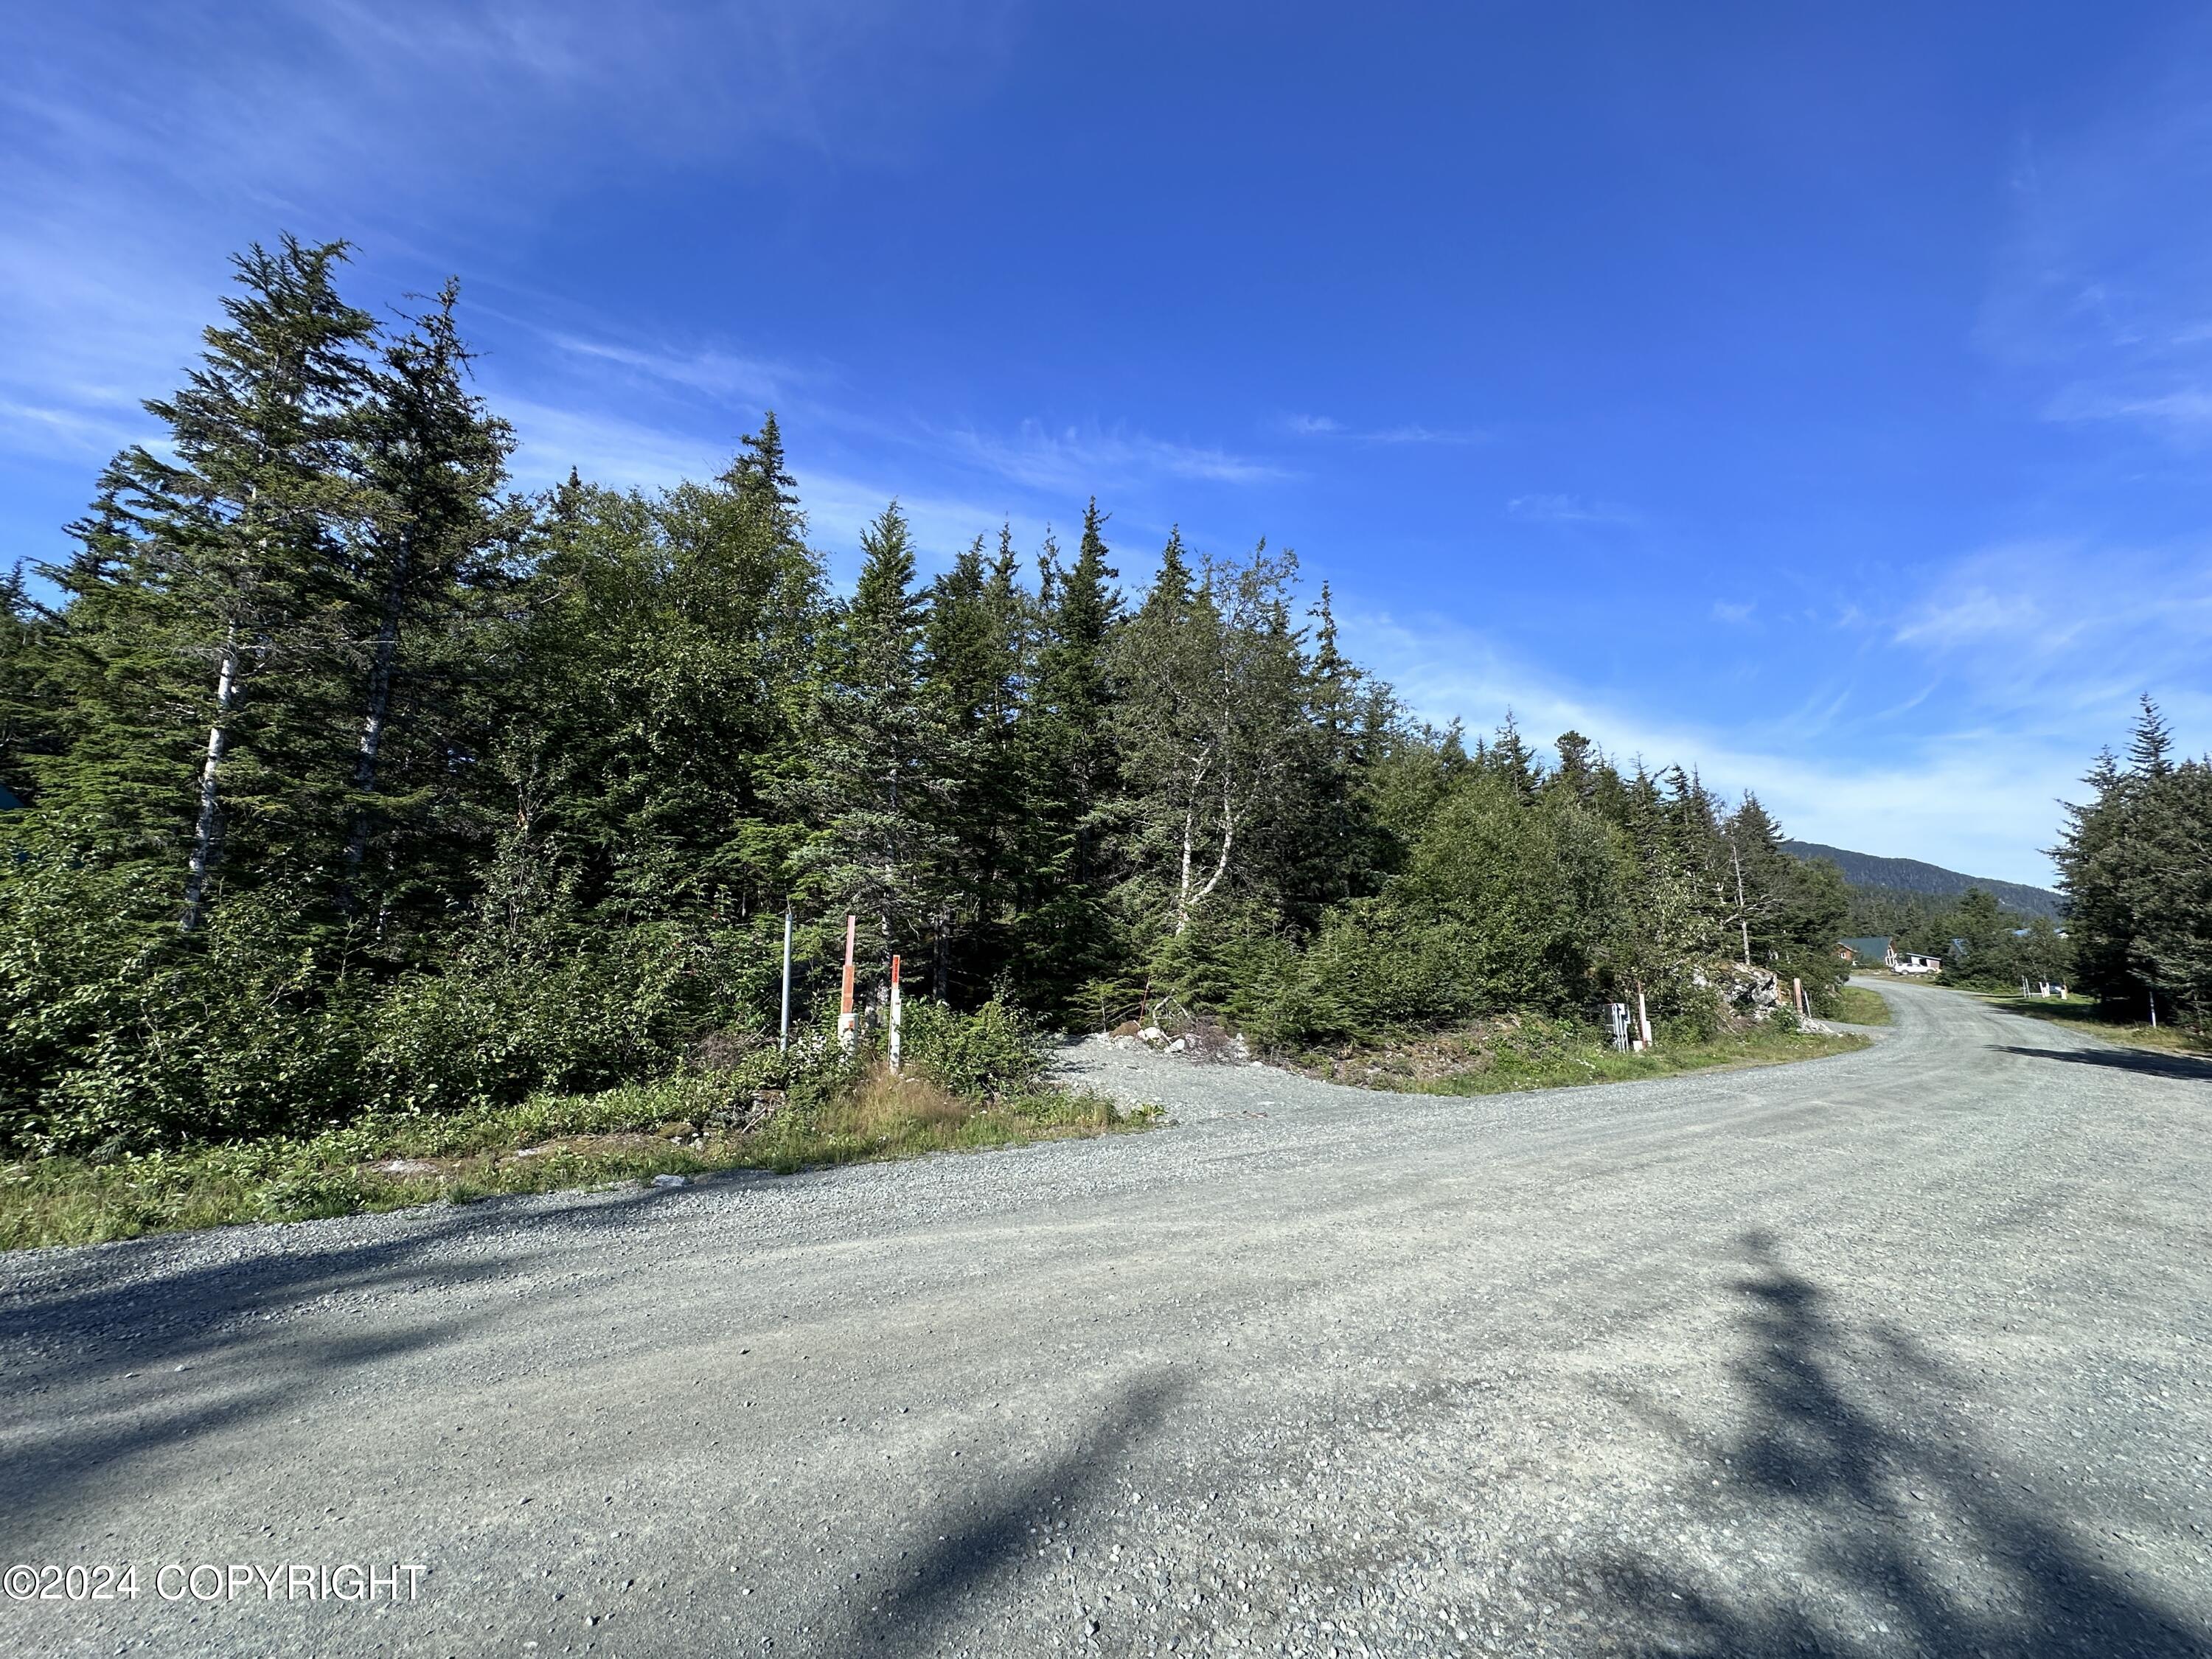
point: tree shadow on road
(90, 1356)
(913, 1596)
(2144, 1061)
(1910, 1534)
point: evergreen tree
(973, 652)
(1064, 936)
(208, 602)
(432, 462)
(2172, 897)
(28, 712)
(2099, 864)
(2150, 749)
(883, 781)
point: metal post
(783, 1031)
(895, 1013)
(845, 1034)
(2152, 995)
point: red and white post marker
(895, 1013)
(845, 1034)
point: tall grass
(546, 1143)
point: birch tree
(1211, 723)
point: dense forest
(353, 780)
(1911, 879)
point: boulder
(1753, 993)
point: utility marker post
(1616, 1015)
(895, 1013)
(845, 1033)
(783, 1031)
(1643, 1016)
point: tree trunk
(1742, 909)
(1185, 902)
(1182, 892)
(379, 709)
(205, 834)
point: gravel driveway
(1906, 1351)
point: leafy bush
(992, 1051)
(121, 1034)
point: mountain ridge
(1931, 880)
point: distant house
(1867, 952)
(8, 801)
(1882, 952)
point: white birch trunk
(204, 833)
(380, 710)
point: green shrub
(994, 1051)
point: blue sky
(1821, 395)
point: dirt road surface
(1905, 1352)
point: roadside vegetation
(1517, 1053)
(769, 1111)
(366, 803)
(1860, 1005)
(2099, 1019)
(2134, 863)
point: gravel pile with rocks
(1903, 1351)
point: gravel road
(1906, 1351)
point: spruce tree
(1064, 933)
(432, 461)
(209, 598)
(882, 781)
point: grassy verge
(547, 1143)
(1857, 1005)
(1500, 1057)
(2079, 1014)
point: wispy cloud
(2096, 304)
(1322, 426)
(1568, 510)
(1074, 459)
(2185, 412)
(714, 373)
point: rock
(1749, 993)
(671, 1180)
(1153, 1034)
(1128, 1028)
(404, 1166)
(1176, 1047)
